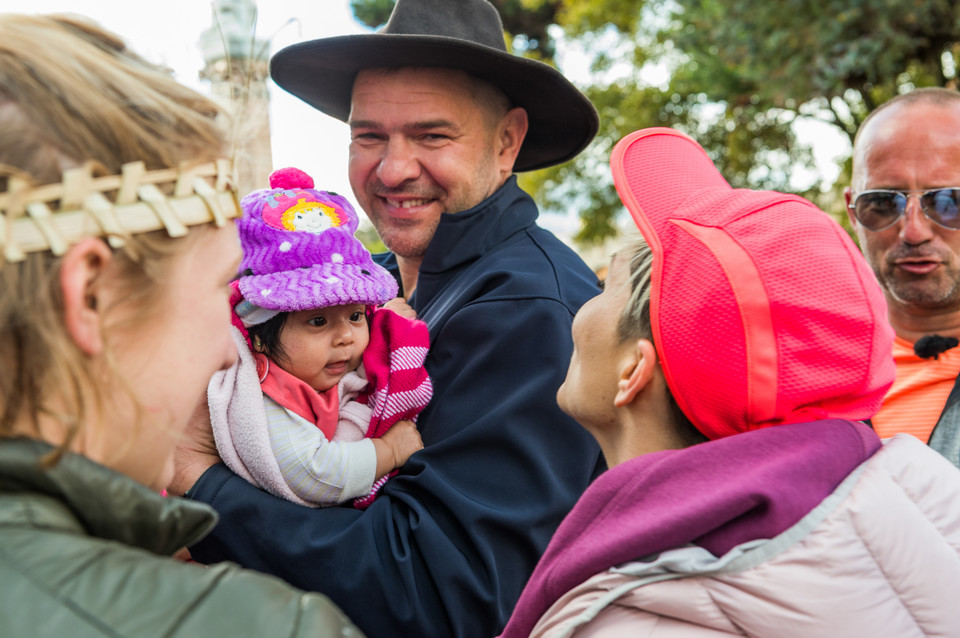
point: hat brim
(321, 286)
(562, 120)
(675, 166)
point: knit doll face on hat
(318, 346)
(307, 214)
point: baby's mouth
(337, 367)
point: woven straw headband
(54, 216)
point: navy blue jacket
(448, 545)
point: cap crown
(763, 310)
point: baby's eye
(318, 321)
(357, 316)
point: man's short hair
(928, 94)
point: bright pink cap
(763, 310)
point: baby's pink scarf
(321, 408)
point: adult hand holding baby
(195, 452)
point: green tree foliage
(372, 13)
(736, 76)
(370, 239)
(837, 59)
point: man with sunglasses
(904, 203)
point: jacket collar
(105, 503)
(465, 236)
(746, 486)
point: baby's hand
(400, 306)
(396, 446)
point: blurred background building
(236, 63)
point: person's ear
(636, 371)
(847, 195)
(513, 130)
(81, 279)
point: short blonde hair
(73, 94)
(634, 323)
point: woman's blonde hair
(73, 94)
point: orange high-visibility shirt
(918, 394)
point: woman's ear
(635, 372)
(81, 281)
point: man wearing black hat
(441, 116)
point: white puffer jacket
(880, 557)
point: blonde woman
(118, 243)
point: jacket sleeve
(238, 602)
(446, 548)
(84, 586)
(319, 471)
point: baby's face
(324, 344)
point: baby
(319, 408)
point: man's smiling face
(422, 144)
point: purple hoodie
(716, 495)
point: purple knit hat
(299, 251)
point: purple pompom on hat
(299, 251)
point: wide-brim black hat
(455, 34)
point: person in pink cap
(319, 407)
(724, 371)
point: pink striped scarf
(398, 387)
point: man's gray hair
(928, 95)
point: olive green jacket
(84, 552)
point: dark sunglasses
(880, 209)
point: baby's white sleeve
(317, 470)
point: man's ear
(81, 279)
(513, 130)
(847, 196)
(636, 370)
